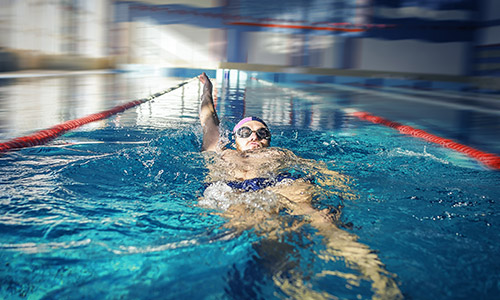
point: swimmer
(252, 140)
(254, 165)
(256, 168)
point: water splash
(220, 196)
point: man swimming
(252, 140)
(255, 171)
(253, 165)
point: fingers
(206, 82)
(203, 78)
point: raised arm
(208, 117)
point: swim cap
(248, 119)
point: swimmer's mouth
(255, 144)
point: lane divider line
(289, 26)
(416, 99)
(44, 136)
(488, 159)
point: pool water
(111, 210)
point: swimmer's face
(252, 142)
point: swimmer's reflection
(270, 191)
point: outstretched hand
(204, 78)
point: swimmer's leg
(342, 244)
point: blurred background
(445, 39)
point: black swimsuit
(260, 183)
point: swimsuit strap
(259, 183)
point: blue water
(109, 211)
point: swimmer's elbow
(208, 149)
(210, 140)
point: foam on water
(219, 195)
(409, 153)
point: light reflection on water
(30, 104)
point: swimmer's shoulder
(228, 153)
(276, 153)
(270, 152)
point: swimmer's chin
(254, 147)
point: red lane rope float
(46, 135)
(297, 26)
(490, 160)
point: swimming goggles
(245, 132)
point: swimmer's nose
(253, 136)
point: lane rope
(488, 159)
(44, 136)
(289, 26)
